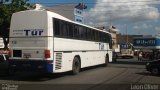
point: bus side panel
(89, 52)
(87, 59)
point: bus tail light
(47, 54)
(49, 61)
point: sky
(134, 17)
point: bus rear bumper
(30, 66)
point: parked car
(4, 64)
(153, 67)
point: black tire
(76, 66)
(154, 71)
(106, 61)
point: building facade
(123, 38)
(113, 32)
(73, 12)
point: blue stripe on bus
(50, 68)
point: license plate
(27, 55)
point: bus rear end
(126, 51)
(30, 42)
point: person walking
(140, 56)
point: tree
(7, 8)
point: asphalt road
(121, 75)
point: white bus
(126, 50)
(46, 41)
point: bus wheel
(106, 61)
(76, 66)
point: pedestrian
(140, 56)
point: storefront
(149, 46)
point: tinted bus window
(56, 27)
(70, 29)
(76, 32)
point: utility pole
(110, 20)
(110, 23)
(126, 34)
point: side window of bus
(85, 33)
(70, 27)
(104, 39)
(56, 27)
(101, 36)
(97, 36)
(110, 41)
(76, 32)
(70, 30)
(82, 32)
(67, 29)
(88, 33)
(63, 29)
(98, 33)
(93, 35)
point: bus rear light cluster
(47, 54)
